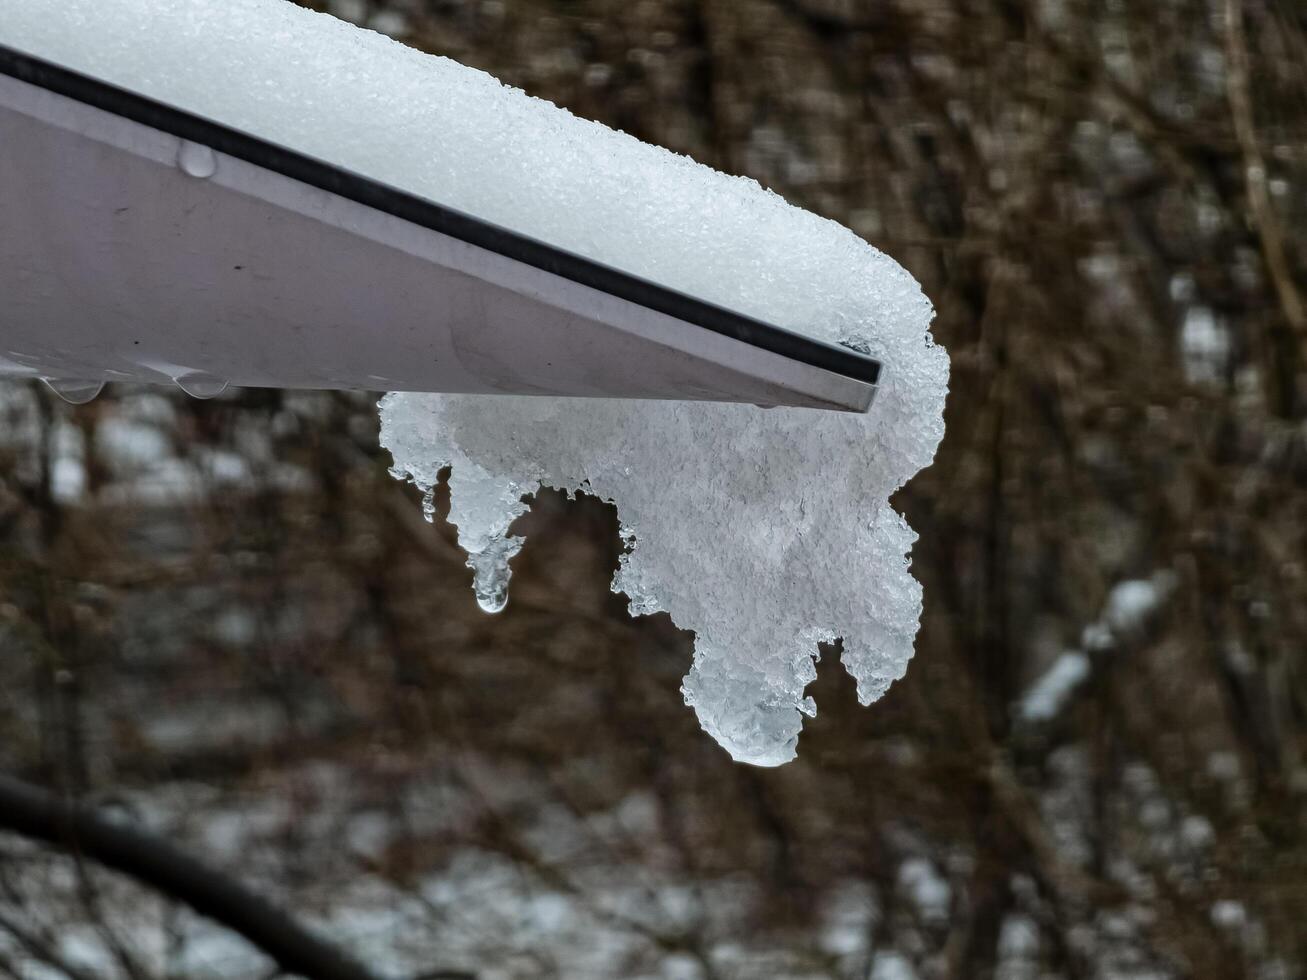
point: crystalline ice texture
(765, 532)
(762, 531)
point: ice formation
(764, 532)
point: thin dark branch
(41, 947)
(35, 813)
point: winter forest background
(226, 623)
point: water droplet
(74, 391)
(197, 384)
(197, 159)
(490, 573)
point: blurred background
(223, 621)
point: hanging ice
(763, 531)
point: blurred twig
(40, 815)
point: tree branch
(1283, 358)
(40, 815)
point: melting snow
(1131, 603)
(1129, 606)
(764, 532)
(1047, 696)
(892, 966)
(1228, 914)
(926, 888)
(1204, 345)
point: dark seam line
(436, 217)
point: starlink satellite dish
(143, 243)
